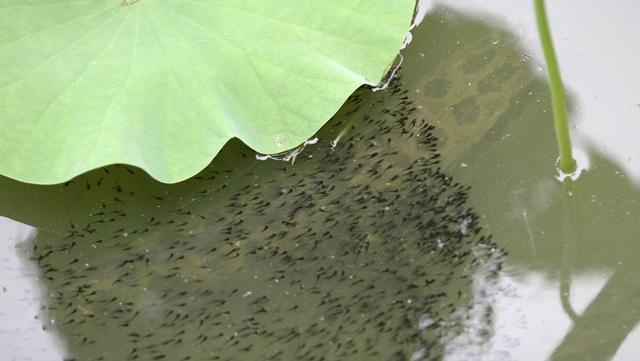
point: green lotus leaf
(164, 84)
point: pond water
(425, 223)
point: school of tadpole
(362, 249)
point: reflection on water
(528, 215)
(596, 46)
(581, 239)
(21, 330)
(531, 322)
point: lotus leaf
(164, 84)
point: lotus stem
(558, 99)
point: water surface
(371, 248)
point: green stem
(558, 100)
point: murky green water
(374, 249)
